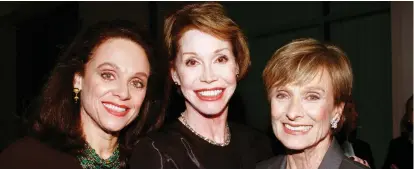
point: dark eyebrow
(116, 67)
(193, 53)
(108, 64)
(141, 74)
(189, 53)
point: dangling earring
(237, 75)
(76, 91)
(334, 123)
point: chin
(295, 145)
(114, 127)
(292, 142)
(211, 110)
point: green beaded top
(90, 160)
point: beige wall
(402, 59)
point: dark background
(377, 36)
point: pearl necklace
(227, 134)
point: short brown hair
(211, 18)
(302, 59)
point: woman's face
(114, 84)
(205, 69)
(301, 114)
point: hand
(359, 160)
(393, 166)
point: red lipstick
(212, 94)
(113, 111)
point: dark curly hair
(57, 121)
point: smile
(296, 129)
(210, 94)
(116, 110)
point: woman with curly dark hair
(95, 104)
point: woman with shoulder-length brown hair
(95, 104)
(307, 83)
(208, 54)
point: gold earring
(76, 90)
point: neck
(213, 128)
(309, 158)
(104, 143)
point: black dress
(177, 147)
(30, 153)
(400, 153)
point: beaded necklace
(90, 160)
(227, 133)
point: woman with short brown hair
(208, 54)
(307, 83)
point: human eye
(137, 84)
(107, 76)
(281, 95)
(222, 59)
(312, 97)
(191, 62)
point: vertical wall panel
(367, 42)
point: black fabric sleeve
(148, 153)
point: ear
(237, 69)
(174, 76)
(77, 81)
(339, 109)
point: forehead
(124, 53)
(321, 80)
(197, 41)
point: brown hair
(301, 60)
(211, 18)
(58, 121)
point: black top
(333, 159)
(363, 150)
(29, 153)
(175, 146)
(400, 154)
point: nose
(208, 75)
(122, 91)
(295, 109)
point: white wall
(402, 59)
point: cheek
(138, 98)
(277, 109)
(94, 88)
(318, 112)
(229, 77)
(227, 70)
(188, 77)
